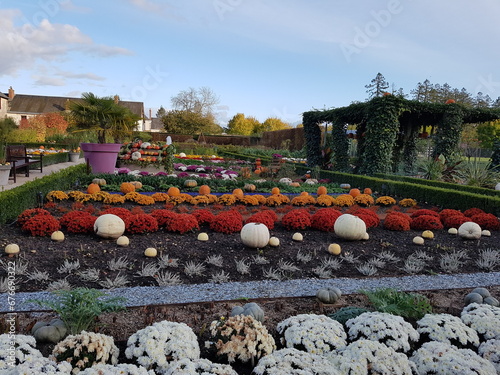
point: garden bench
(21, 160)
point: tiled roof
(34, 104)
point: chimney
(150, 114)
(11, 93)
(117, 99)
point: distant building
(21, 107)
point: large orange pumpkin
(354, 192)
(367, 191)
(204, 190)
(173, 191)
(127, 187)
(238, 193)
(275, 190)
(93, 188)
(322, 190)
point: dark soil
(43, 254)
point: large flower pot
(4, 174)
(101, 156)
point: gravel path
(140, 296)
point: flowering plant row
(370, 343)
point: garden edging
(181, 294)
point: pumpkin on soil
(204, 190)
(173, 191)
(93, 188)
(329, 295)
(109, 226)
(127, 187)
(255, 235)
(470, 231)
(53, 331)
(349, 227)
(250, 309)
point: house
(21, 107)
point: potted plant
(6, 126)
(73, 148)
(109, 121)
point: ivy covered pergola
(387, 129)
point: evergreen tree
(377, 87)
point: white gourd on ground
(349, 227)
(255, 235)
(109, 226)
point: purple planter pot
(101, 157)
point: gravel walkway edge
(178, 294)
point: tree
(187, 122)
(161, 112)
(242, 125)
(102, 115)
(274, 123)
(488, 133)
(201, 101)
(377, 87)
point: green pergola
(387, 129)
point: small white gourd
(202, 236)
(486, 233)
(428, 235)
(417, 240)
(334, 248)
(274, 241)
(150, 252)
(12, 249)
(297, 237)
(57, 236)
(122, 241)
(453, 231)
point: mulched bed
(91, 251)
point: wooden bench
(22, 161)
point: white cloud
(49, 81)
(27, 44)
(88, 76)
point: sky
(262, 58)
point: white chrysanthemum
(447, 328)
(490, 350)
(391, 330)
(317, 334)
(370, 357)
(291, 361)
(25, 349)
(443, 359)
(119, 369)
(242, 338)
(161, 343)
(76, 349)
(484, 319)
(199, 366)
(40, 365)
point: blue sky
(263, 58)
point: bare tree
(201, 101)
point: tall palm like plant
(103, 116)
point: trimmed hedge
(18, 199)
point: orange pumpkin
(204, 190)
(275, 190)
(173, 191)
(295, 184)
(354, 192)
(450, 101)
(127, 187)
(93, 188)
(322, 190)
(304, 194)
(367, 191)
(238, 193)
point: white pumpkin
(486, 233)
(453, 231)
(255, 235)
(202, 236)
(297, 237)
(469, 231)
(417, 240)
(145, 144)
(57, 236)
(334, 248)
(182, 155)
(123, 241)
(350, 227)
(150, 252)
(136, 155)
(12, 249)
(274, 241)
(109, 226)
